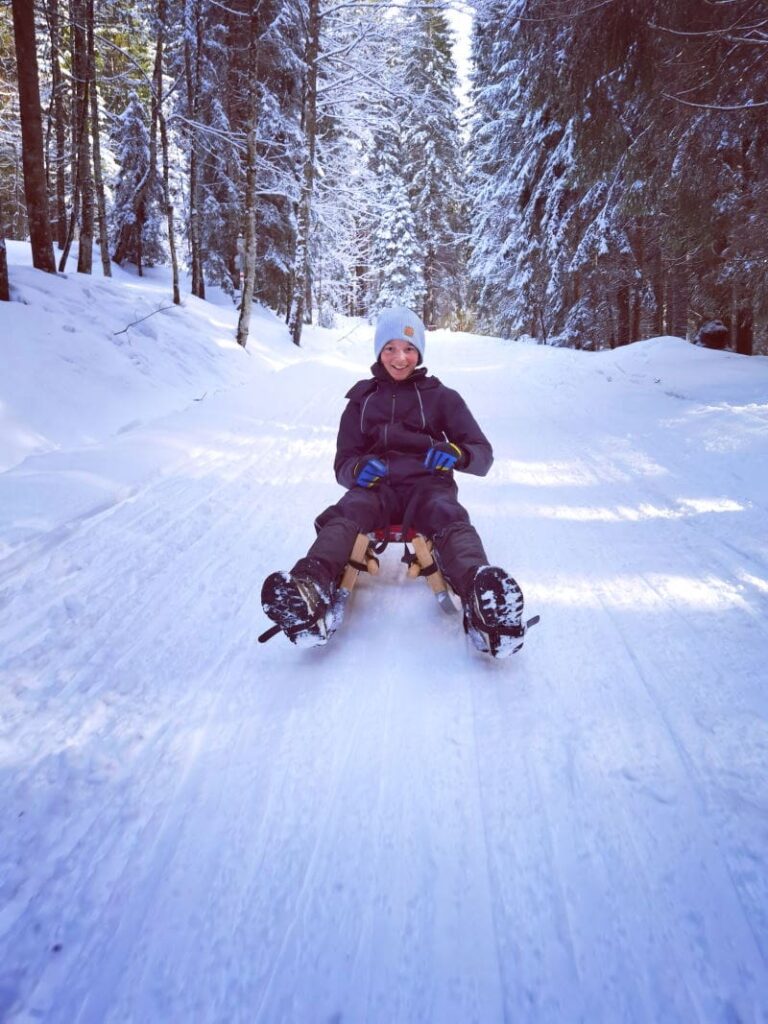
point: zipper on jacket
(417, 389)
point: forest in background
(608, 182)
(621, 169)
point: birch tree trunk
(302, 261)
(192, 74)
(35, 185)
(158, 86)
(249, 216)
(82, 74)
(98, 174)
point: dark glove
(444, 457)
(370, 471)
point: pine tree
(57, 165)
(396, 253)
(342, 204)
(265, 98)
(432, 157)
(607, 203)
(280, 149)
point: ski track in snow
(393, 828)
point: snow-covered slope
(390, 829)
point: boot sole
(286, 604)
(497, 603)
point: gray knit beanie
(402, 323)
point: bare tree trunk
(35, 186)
(5, 292)
(192, 74)
(678, 300)
(74, 216)
(158, 86)
(744, 328)
(249, 224)
(622, 314)
(82, 74)
(79, 128)
(59, 126)
(635, 314)
(301, 265)
(657, 284)
(289, 299)
(637, 285)
(430, 299)
(169, 213)
(98, 174)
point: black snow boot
(493, 612)
(301, 603)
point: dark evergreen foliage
(619, 168)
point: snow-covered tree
(431, 156)
(606, 205)
(396, 251)
(352, 64)
(137, 224)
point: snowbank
(84, 357)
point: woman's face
(399, 358)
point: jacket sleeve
(461, 427)
(351, 445)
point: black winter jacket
(400, 420)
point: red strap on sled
(395, 534)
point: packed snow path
(196, 828)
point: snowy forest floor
(198, 828)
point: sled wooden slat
(423, 550)
(359, 554)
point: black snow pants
(430, 506)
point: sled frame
(418, 558)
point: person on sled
(402, 437)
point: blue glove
(444, 457)
(370, 472)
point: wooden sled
(418, 559)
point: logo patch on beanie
(408, 332)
